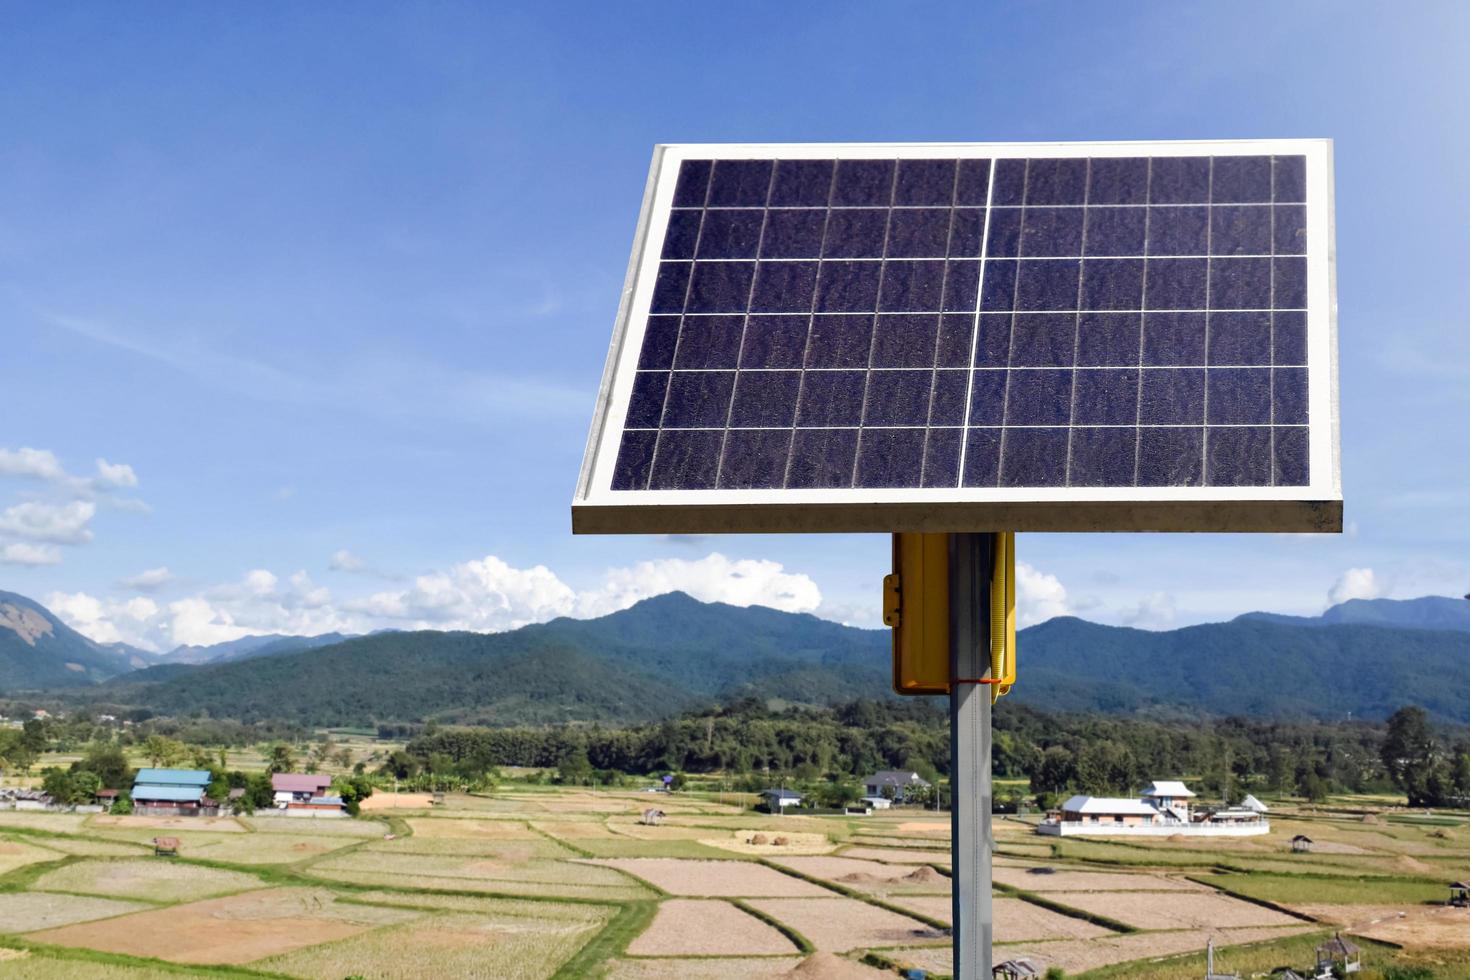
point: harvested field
(898, 855)
(266, 824)
(1015, 920)
(14, 854)
(765, 843)
(445, 945)
(630, 828)
(576, 829)
(838, 924)
(838, 868)
(1163, 910)
(872, 840)
(1062, 879)
(712, 879)
(213, 825)
(477, 829)
(767, 968)
(479, 874)
(492, 859)
(158, 879)
(397, 801)
(29, 911)
(18, 965)
(56, 823)
(236, 929)
(1416, 927)
(91, 848)
(1090, 954)
(263, 848)
(707, 927)
(937, 827)
(556, 911)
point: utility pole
(971, 565)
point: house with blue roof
(173, 792)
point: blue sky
(329, 292)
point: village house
(173, 792)
(1162, 810)
(778, 800)
(894, 784)
(292, 787)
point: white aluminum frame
(596, 508)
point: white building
(1163, 810)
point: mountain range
(1363, 658)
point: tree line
(1055, 754)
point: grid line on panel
(939, 330)
(679, 340)
(1005, 411)
(1077, 324)
(975, 325)
(744, 326)
(1271, 331)
(998, 207)
(1209, 256)
(806, 351)
(1088, 425)
(857, 456)
(1142, 326)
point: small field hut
(1460, 894)
(1301, 844)
(1019, 968)
(165, 847)
(1338, 952)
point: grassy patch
(613, 940)
(1308, 889)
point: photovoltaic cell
(1007, 323)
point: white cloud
(343, 560)
(115, 474)
(260, 582)
(61, 512)
(1039, 596)
(150, 580)
(1356, 583)
(714, 578)
(23, 553)
(41, 464)
(1155, 611)
(37, 520)
(483, 595)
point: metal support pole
(971, 568)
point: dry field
(55, 823)
(899, 855)
(214, 825)
(397, 801)
(767, 968)
(1015, 920)
(838, 924)
(155, 879)
(707, 927)
(771, 843)
(29, 911)
(444, 945)
(477, 829)
(713, 879)
(1063, 880)
(237, 929)
(1165, 910)
(14, 854)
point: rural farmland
(541, 882)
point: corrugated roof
(174, 777)
(1103, 805)
(1167, 787)
(296, 782)
(169, 794)
(896, 777)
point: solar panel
(894, 337)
